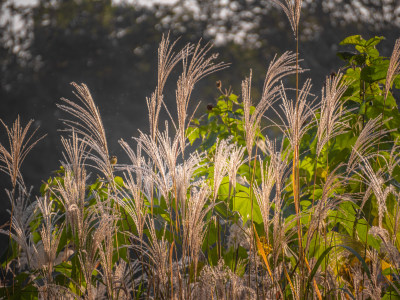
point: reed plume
(263, 193)
(71, 191)
(89, 126)
(194, 224)
(234, 162)
(331, 122)
(21, 143)
(50, 234)
(199, 66)
(132, 201)
(75, 153)
(278, 69)
(22, 214)
(167, 60)
(376, 181)
(298, 119)
(292, 9)
(221, 156)
(369, 137)
(185, 179)
(98, 228)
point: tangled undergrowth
(312, 213)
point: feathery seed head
(292, 9)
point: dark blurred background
(112, 47)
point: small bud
(219, 84)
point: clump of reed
(244, 217)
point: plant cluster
(312, 213)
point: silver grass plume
(298, 117)
(194, 224)
(376, 181)
(55, 291)
(21, 143)
(22, 215)
(71, 191)
(163, 155)
(50, 234)
(235, 160)
(331, 123)
(41, 256)
(167, 60)
(373, 287)
(279, 169)
(394, 67)
(368, 138)
(329, 201)
(394, 157)
(194, 70)
(219, 282)
(137, 166)
(273, 171)
(279, 163)
(97, 226)
(292, 9)
(263, 193)
(89, 126)
(221, 155)
(132, 200)
(249, 127)
(389, 244)
(125, 277)
(75, 153)
(184, 174)
(168, 148)
(158, 251)
(278, 69)
(106, 248)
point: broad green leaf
(374, 73)
(353, 40)
(374, 41)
